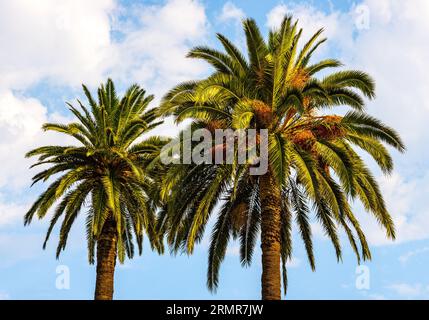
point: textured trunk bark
(106, 261)
(270, 237)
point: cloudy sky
(50, 47)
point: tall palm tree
(105, 173)
(313, 165)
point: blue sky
(60, 44)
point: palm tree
(313, 166)
(107, 172)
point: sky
(49, 48)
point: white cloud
(17, 247)
(4, 295)
(410, 254)
(70, 42)
(230, 12)
(10, 212)
(21, 120)
(66, 41)
(153, 51)
(406, 201)
(410, 291)
(392, 51)
(276, 15)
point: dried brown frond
(324, 166)
(238, 216)
(264, 114)
(303, 138)
(306, 102)
(299, 79)
(329, 128)
(215, 124)
(260, 75)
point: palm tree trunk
(106, 261)
(270, 237)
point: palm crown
(107, 169)
(312, 159)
